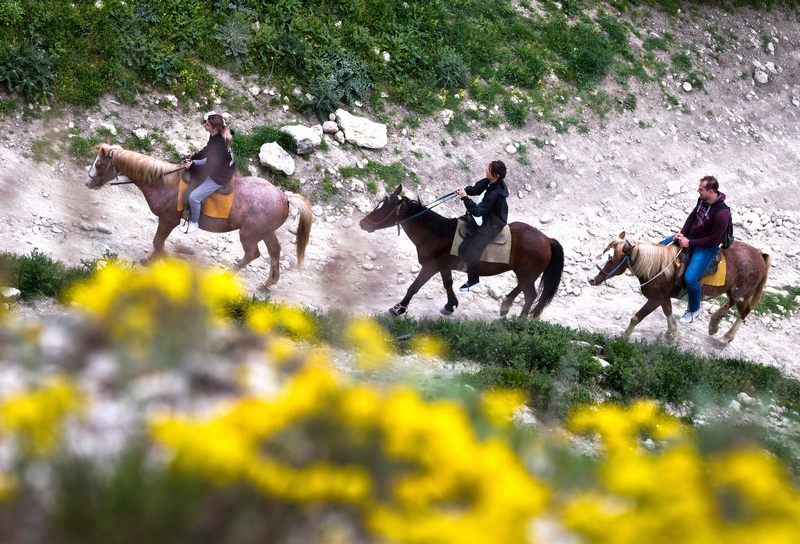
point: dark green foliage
(681, 62)
(391, 174)
(629, 102)
(451, 71)
(37, 275)
(27, 70)
(458, 124)
(233, 34)
(343, 79)
(585, 49)
(516, 112)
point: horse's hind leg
(529, 291)
(508, 300)
(274, 251)
(716, 317)
(251, 252)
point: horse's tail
(551, 278)
(759, 290)
(304, 228)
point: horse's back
(256, 199)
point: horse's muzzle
(366, 225)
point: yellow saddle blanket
(498, 251)
(216, 205)
(717, 279)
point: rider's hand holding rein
(460, 192)
(187, 161)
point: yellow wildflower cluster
(137, 306)
(36, 416)
(366, 336)
(672, 494)
(453, 487)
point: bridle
(626, 259)
(109, 164)
(402, 200)
(629, 260)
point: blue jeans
(203, 190)
(701, 258)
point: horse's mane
(438, 224)
(141, 168)
(650, 258)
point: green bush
(27, 70)
(516, 112)
(452, 72)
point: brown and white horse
(258, 210)
(654, 266)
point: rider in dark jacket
(491, 213)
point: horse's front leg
(672, 323)
(427, 272)
(452, 301)
(165, 227)
(643, 312)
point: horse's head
(614, 260)
(103, 169)
(385, 213)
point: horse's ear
(108, 138)
(622, 235)
(627, 248)
(398, 190)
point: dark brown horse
(258, 210)
(532, 253)
(654, 265)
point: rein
(427, 208)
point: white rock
(255, 90)
(734, 405)
(361, 131)
(546, 219)
(446, 116)
(275, 157)
(307, 139)
(367, 266)
(330, 127)
(745, 399)
(687, 87)
(10, 293)
(760, 77)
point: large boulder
(306, 138)
(361, 131)
(274, 157)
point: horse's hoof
(397, 310)
(445, 311)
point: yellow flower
(37, 415)
(428, 346)
(8, 487)
(372, 349)
(499, 405)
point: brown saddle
(500, 239)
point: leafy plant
(452, 72)
(233, 35)
(27, 70)
(516, 111)
(344, 79)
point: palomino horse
(258, 210)
(654, 265)
(531, 254)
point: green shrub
(343, 79)
(681, 62)
(27, 70)
(516, 111)
(233, 36)
(452, 72)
